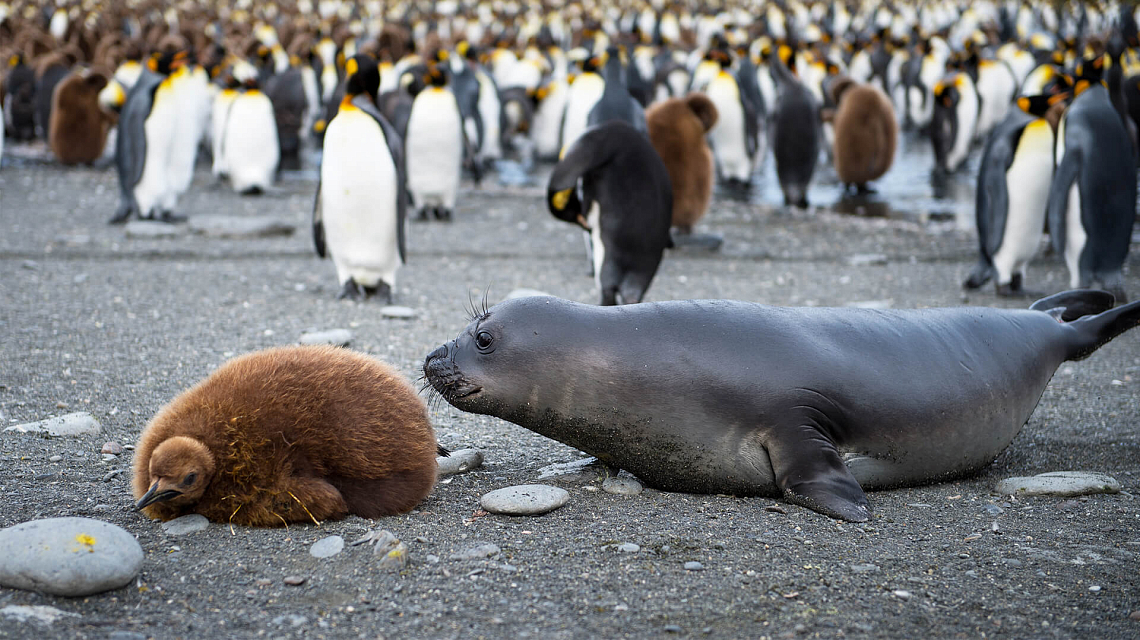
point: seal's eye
(483, 340)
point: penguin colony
(465, 84)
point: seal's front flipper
(811, 473)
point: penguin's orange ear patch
(351, 67)
(1023, 104)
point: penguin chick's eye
(483, 340)
(189, 479)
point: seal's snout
(444, 376)
(440, 352)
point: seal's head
(180, 469)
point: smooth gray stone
(335, 337)
(1059, 483)
(476, 553)
(459, 461)
(392, 556)
(866, 259)
(628, 547)
(524, 500)
(72, 424)
(525, 293)
(398, 312)
(693, 565)
(39, 613)
(68, 556)
(864, 568)
(223, 226)
(185, 524)
(620, 486)
(152, 229)
(327, 547)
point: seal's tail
(1091, 315)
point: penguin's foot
(864, 189)
(383, 290)
(350, 291)
(121, 216)
(442, 213)
(170, 217)
(254, 190)
(421, 215)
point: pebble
(72, 424)
(1135, 615)
(110, 457)
(526, 293)
(622, 486)
(476, 553)
(294, 581)
(1068, 505)
(693, 565)
(672, 628)
(398, 312)
(866, 259)
(293, 620)
(152, 229)
(39, 613)
(185, 524)
(327, 547)
(628, 547)
(56, 458)
(459, 461)
(901, 594)
(524, 500)
(68, 556)
(223, 226)
(335, 337)
(864, 568)
(392, 556)
(993, 510)
(1059, 483)
(112, 447)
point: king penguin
(796, 131)
(585, 91)
(730, 136)
(147, 125)
(434, 147)
(955, 116)
(616, 102)
(1012, 190)
(613, 184)
(250, 140)
(1092, 201)
(358, 217)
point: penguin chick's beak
(154, 495)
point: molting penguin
(1012, 191)
(625, 203)
(358, 442)
(796, 131)
(434, 147)
(360, 208)
(147, 126)
(677, 129)
(1092, 201)
(866, 132)
(955, 116)
(250, 140)
(77, 132)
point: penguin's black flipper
(130, 143)
(1057, 208)
(396, 147)
(318, 225)
(592, 150)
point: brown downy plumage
(78, 127)
(677, 129)
(290, 434)
(866, 132)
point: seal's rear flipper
(1091, 332)
(812, 474)
(1077, 303)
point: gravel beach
(105, 320)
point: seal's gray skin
(717, 396)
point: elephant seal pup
(719, 396)
(289, 434)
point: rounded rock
(693, 565)
(459, 461)
(68, 556)
(112, 447)
(1059, 483)
(185, 524)
(628, 547)
(622, 486)
(398, 312)
(335, 337)
(327, 547)
(524, 500)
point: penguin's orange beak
(154, 495)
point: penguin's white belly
(546, 128)
(159, 130)
(598, 253)
(434, 149)
(1027, 179)
(727, 135)
(490, 109)
(996, 87)
(967, 110)
(192, 96)
(358, 200)
(584, 94)
(219, 113)
(251, 149)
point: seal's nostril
(440, 352)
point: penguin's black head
(719, 56)
(163, 62)
(16, 60)
(1091, 69)
(1038, 105)
(946, 93)
(435, 76)
(362, 76)
(593, 64)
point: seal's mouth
(444, 378)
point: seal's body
(731, 397)
(289, 434)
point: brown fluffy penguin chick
(677, 129)
(289, 434)
(78, 128)
(866, 132)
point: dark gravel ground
(94, 321)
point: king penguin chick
(434, 147)
(866, 132)
(290, 434)
(360, 208)
(677, 130)
(77, 131)
(249, 143)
